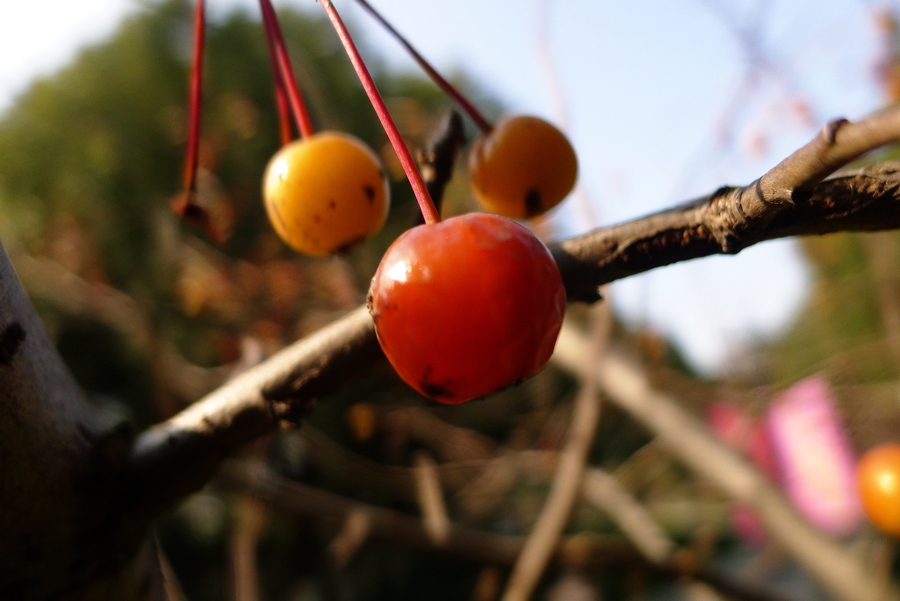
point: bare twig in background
(384, 525)
(563, 494)
(431, 498)
(399, 528)
(699, 591)
(882, 251)
(564, 490)
(351, 537)
(170, 581)
(450, 443)
(249, 523)
(602, 490)
(625, 384)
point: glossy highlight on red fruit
(524, 167)
(467, 306)
(878, 478)
(325, 192)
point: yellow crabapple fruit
(325, 192)
(522, 168)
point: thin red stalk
(483, 124)
(281, 99)
(192, 158)
(429, 212)
(301, 116)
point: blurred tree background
(150, 316)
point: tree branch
(590, 551)
(567, 478)
(410, 532)
(864, 200)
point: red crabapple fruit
(467, 306)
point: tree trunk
(58, 475)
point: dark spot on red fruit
(533, 202)
(10, 342)
(370, 193)
(317, 218)
(435, 391)
(331, 204)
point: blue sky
(654, 93)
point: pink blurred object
(747, 525)
(734, 426)
(813, 456)
(730, 423)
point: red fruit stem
(429, 212)
(192, 158)
(483, 124)
(281, 100)
(301, 115)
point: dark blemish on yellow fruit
(331, 204)
(533, 202)
(370, 193)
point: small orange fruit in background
(524, 167)
(878, 477)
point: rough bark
(58, 474)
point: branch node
(830, 129)
(289, 413)
(727, 219)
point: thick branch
(58, 472)
(865, 200)
(179, 456)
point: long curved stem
(273, 33)
(483, 124)
(281, 99)
(429, 212)
(192, 158)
